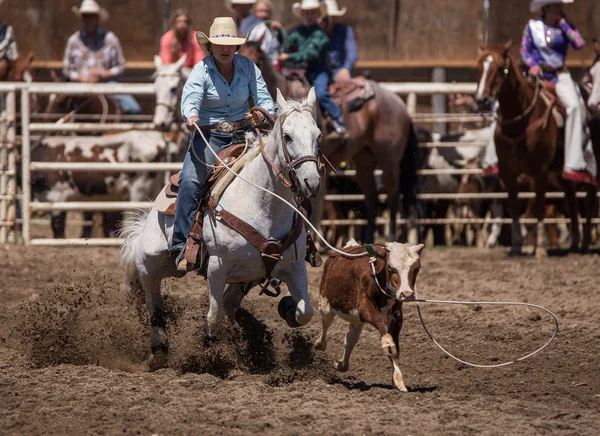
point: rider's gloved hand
(190, 123)
(535, 71)
(256, 117)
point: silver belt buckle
(226, 127)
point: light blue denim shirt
(207, 94)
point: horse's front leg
(365, 179)
(539, 206)
(296, 310)
(510, 180)
(217, 278)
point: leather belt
(226, 127)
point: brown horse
(381, 135)
(290, 86)
(528, 141)
(19, 70)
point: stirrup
(312, 254)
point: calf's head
(404, 265)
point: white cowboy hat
(222, 32)
(333, 10)
(537, 5)
(306, 5)
(90, 7)
(230, 3)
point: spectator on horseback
(309, 45)
(544, 49)
(270, 34)
(8, 48)
(343, 52)
(94, 54)
(244, 19)
(179, 41)
(215, 97)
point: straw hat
(222, 32)
(537, 5)
(230, 3)
(90, 7)
(306, 5)
(333, 10)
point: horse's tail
(131, 231)
(409, 186)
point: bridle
(505, 69)
(172, 108)
(292, 182)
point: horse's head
(298, 136)
(19, 70)
(594, 100)
(167, 85)
(493, 65)
(252, 50)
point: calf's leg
(354, 331)
(394, 328)
(327, 318)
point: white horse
(168, 82)
(233, 260)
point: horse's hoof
(585, 249)
(159, 341)
(158, 360)
(287, 311)
(515, 252)
(574, 249)
(209, 340)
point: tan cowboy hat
(230, 3)
(222, 32)
(333, 10)
(306, 5)
(90, 7)
(537, 5)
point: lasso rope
(417, 301)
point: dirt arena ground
(74, 347)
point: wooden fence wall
(389, 32)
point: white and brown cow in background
(350, 291)
(131, 146)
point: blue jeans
(128, 103)
(192, 184)
(320, 76)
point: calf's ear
(418, 249)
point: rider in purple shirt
(544, 50)
(558, 39)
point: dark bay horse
(381, 136)
(528, 141)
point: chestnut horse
(528, 141)
(381, 136)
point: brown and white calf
(350, 291)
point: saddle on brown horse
(355, 92)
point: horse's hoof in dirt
(541, 252)
(339, 366)
(159, 341)
(515, 252)
(287, 311)
(158, 361)
(209, 340)
(574, 249)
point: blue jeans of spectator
(192, 184)
(128, 103)
(320, 76)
